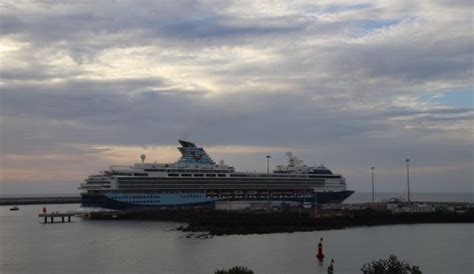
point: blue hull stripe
(126, 201)
(163, 199)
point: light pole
(408, 178)
(268, 178)
(373, 191)
(268, 165)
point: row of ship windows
(188, 170)
(195, 187)
(129, 174)
(267, 176)
(124, 184)
(195, 175)
(276, 175)
(219, 184)
(136, 197)
(153, 196)
(190, 196)
(224, 175)
(216, 180)
(146, 202)
(219, 175)
(170, 174)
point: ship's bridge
(297, 166)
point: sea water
(125, 246)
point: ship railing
(88, 186)
(96, 176)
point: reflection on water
(29, 246)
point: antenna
(293, 160)
(143, 156)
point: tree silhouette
(391, 265)
(235, 270)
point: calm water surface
(29, 246)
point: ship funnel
(191, 154)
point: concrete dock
(53, 216)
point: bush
(392, 265)
(235, 270)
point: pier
(52, 217)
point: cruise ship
(196, 181)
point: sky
(88, 84)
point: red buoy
(320, 254)
(44, 209)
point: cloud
(348, 84)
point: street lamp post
(408, 178)
(373, 189)
(268, 165)
(268, 177)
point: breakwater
(272, 223)
(260, 222)
(39, 200)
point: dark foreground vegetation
(391, 265)
(234, 270)
(259, 222)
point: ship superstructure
(195, 180)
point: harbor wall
(40, 200)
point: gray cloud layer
(339, 83)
